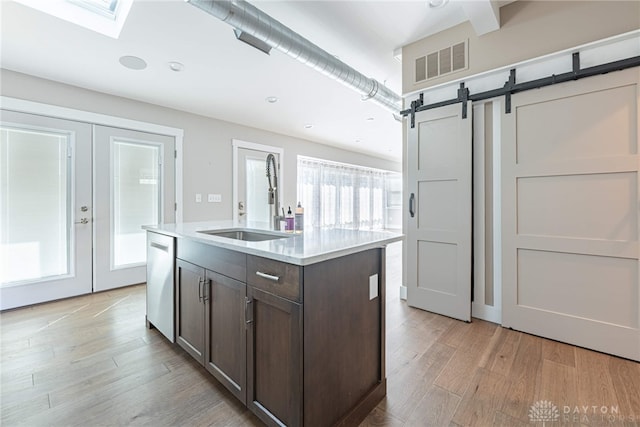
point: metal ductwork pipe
(251, 20)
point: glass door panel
(135, 200)
(257, 206)
(45, 230)
(35, 182)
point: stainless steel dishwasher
(160, 274)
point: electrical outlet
(373, 286)
(198, 198)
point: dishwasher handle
(164, 248)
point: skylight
(102, 16)
(108, 8)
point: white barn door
(570, 213)
(439, 226)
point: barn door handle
(412, 202)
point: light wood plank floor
(90, 361)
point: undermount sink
(246, 235)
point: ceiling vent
(442, 62)
(260, 30)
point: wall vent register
(441, 62)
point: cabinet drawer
(228, 263)
(277, 278)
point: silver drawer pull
(268, 276)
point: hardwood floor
(91, 361)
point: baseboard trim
(365, 406)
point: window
(35, 206)
(102, 16)
(339, 195)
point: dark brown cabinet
(190, 309)
(225, 332)
(210, 311)
(274, 387)
(299, 345)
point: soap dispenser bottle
(299, 219)
(289, 219)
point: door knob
(83, 221)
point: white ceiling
(229, 80)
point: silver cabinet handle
(268, 276)
(248, 311)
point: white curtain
(337, 195)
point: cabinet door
(226, 332)
(274, 359)
(190, 308)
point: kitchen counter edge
(299, 249)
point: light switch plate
(373, 286)
(198, 198)
(214, 198)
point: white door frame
(24, 106)
(236, 145)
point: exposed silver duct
(251, 20)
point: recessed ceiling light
(358, 139)
(370, 119)
(176, 66)
(437, 3)
(308, 126)
(271, 99)
(133, 62)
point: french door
(45, 209)
(439, 226)
(133, 186)
(74, 198)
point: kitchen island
(292, 324)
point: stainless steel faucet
(272, 198)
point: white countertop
(312, 246)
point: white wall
(207, 141)
(528, 29)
